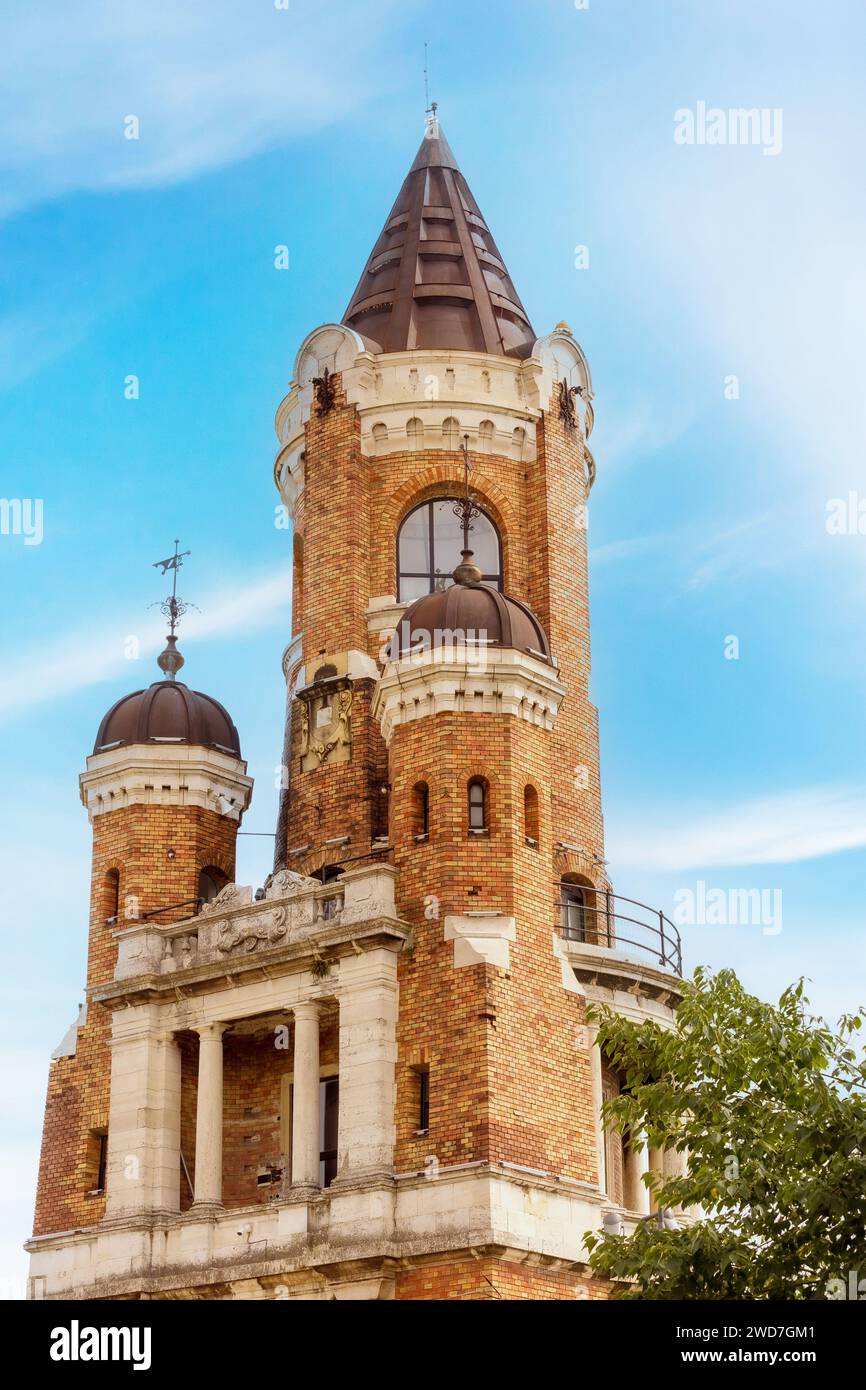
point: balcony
(610, 922)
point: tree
(767, 1101)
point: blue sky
(260, 127)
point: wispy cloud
(51, 668)
(782, 829)
(734, 552)
(210, 81)
(633, 429)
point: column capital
(309, 1008)
(210, 1030)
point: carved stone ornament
(567, 397)
(326, 396)
(233, 895)
(326, 726)
(266, 928)
(286, 883)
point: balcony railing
(606, 919)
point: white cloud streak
(211, 81)
(782, 829)
(52, 668)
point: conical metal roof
(435, 278)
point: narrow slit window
(424, 1100)
(477, 805)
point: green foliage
(768, 1102)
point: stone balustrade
(290, 909)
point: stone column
(368, 1051)
(209, 1117)
(143, 1167)
(305, 1103)
(636, 1195)
(597, 1103)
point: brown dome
(473, 608)
(168, 712)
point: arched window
(429, 547)
(420, 811)
(415, 431)
(111, 896)
(573, 910)
(211, 881)
(530, 816)
(477, 806)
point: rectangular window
(424, 1100)
(329, 1109)
(97, 1161)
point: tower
(381, 1058)
(165, 789)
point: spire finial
(430, 107)
(467, 572)
(170, 659)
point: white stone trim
(465, 1207)
(138, 774)
(467, 680)
(391, 388)
(481, 937)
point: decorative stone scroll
(265, 928)
(232, 896)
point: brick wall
(508, 1079)
(476, 1279)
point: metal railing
(601, 918)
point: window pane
(413, 588)
(485, 545)
(415, 542)
(329, 1101)
(447, 537)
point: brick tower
(165, 789)
(381, 1059)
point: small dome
(478, 611)
(168, 712)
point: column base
(206, 1208)
(301, 1192)
(360, 1178)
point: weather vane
(170, 660)
(466, 509)
(431, 107)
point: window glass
(430, 546)
(415, 543)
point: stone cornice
(496, 400)
(166, 774)
(467, 680)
